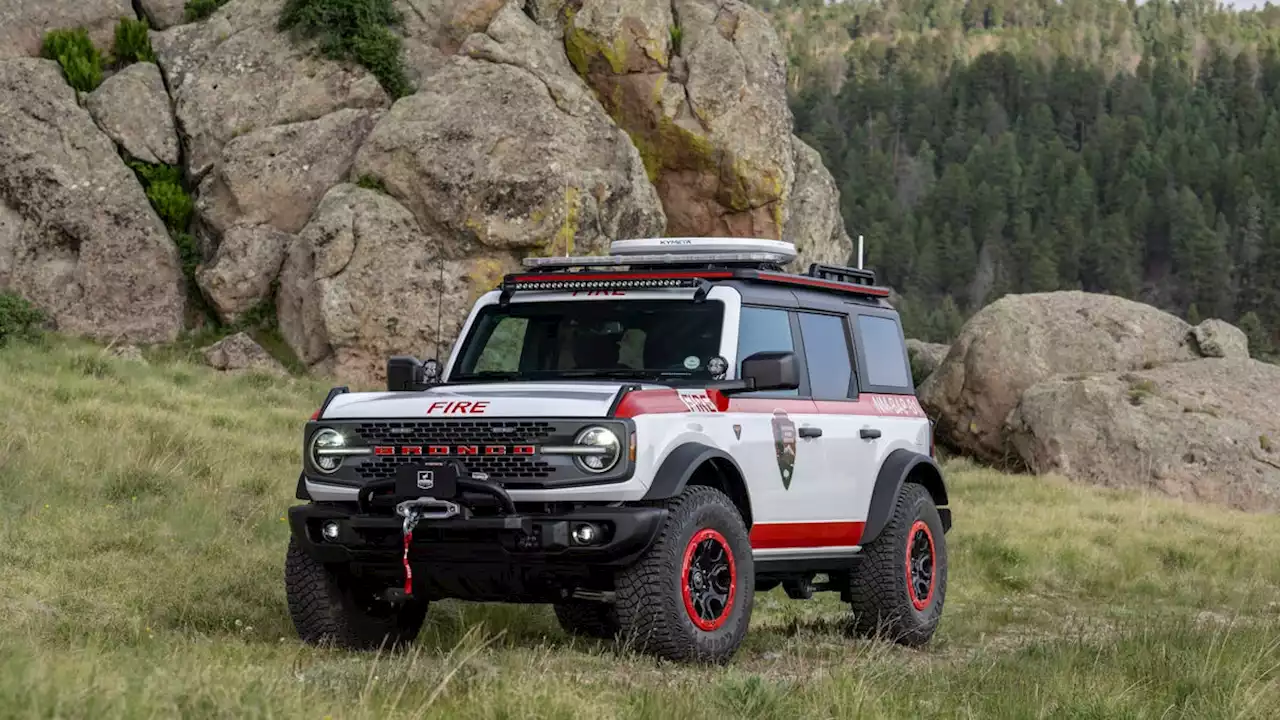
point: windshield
(667, 341)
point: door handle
(810, 432)
(868, 433)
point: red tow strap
(408, 571)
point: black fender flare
(675, 471)
(893, 474)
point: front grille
(447, 432)
(506, 468)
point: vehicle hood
(476, 401)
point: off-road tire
(882, 601)
(325, 608)
(653, 607)
(588, 619)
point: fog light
(585, 534)
(330, 530)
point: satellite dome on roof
(703, 245)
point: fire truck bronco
(644, 440)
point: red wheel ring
(921, 565)
(708, 580)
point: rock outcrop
(239, 352)
(1021, 340)
(1206, 430)
(814, 222)
(132, 108)
(701, 88)
(23, 23)
(503, 158)
(364, 281)
(235, 73)
(78, 237)
(241, 273)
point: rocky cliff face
(531, 127)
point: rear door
(849, 464)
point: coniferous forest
(1010, 146)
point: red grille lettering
(468, 449)
(438, 450)
(495, 450)
(524, 450)
(384, 450)
(411, 450)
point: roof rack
(655, 263)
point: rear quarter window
(883, 354)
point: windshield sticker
(692, 362)
(784, 445)
(698, 401)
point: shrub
(201, 9)
(18, 317)
(369, 182)
(353, 30)
(133, 44)
(81, 63)
(163, 184)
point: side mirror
(404, 374)
(773, 370)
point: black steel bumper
(510, 539)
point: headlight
(603, 448)
(326, 450)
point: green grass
(142, 540)
(133, 44)
(201, 9)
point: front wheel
(900, 584)
(689, 597)
(329, 607)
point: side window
(826, 352)
(502, 351)
(764, 330)
(885, 357)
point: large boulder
(1220, 339)
(235, 73)
(23, 23)
(1207, 430)
(364, 281)
(1021, 340)
(486, 155)
(132, 108)
(925, 357)
(239, 353)
(163, 14)
(277, 175)
(814, 223)
(708, 111)
(241, 273)
(80, 239)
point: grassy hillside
(143, 538)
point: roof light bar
(727, 258)
(621, 283)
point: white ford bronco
(643, 440)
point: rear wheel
(899, 587)
(329, 607)
(587, 619)
(689, 598)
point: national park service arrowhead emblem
(737, 431)
(784, 444)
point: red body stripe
(663, 402)
(770, 536)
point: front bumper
(514, 539)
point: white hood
(496, 400)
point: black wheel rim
(709, 581)
(921, 561)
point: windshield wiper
(488, 375)
(624, 373)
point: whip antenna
(859, 252)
